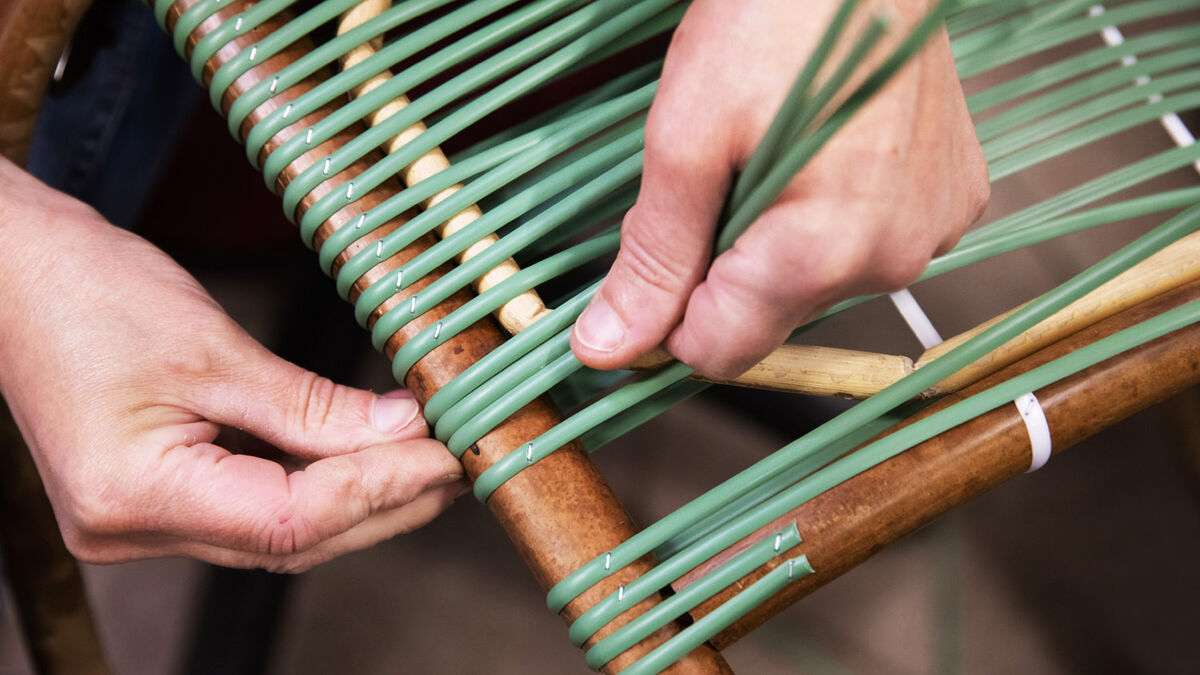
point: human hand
(119, 369)
(896, 186)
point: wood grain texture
(559, 513)
(848, 524)
(33, 34)
(824, 371)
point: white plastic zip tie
(915, 317)
(1040, 445)
(1028, 406)
(1175, 127)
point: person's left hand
(120, 371)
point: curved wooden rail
(915, 487)
(33, 35)
(560, 513)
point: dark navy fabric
(106, 130)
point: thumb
(666, 243)
(304, 414)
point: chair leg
(1185, 413)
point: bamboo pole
(824, 371)
(1173, 266)
(33, 37)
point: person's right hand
(120, 370)
(895, 187)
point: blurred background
(1087, 566)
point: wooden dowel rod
(559, 513)
(849, 523)
(824, 371)
(810, 370)
(1173, 266)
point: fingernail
(394, 412)
(600, 328)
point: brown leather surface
(33, 34)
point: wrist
(39, 230)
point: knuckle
(339, 476)
(977, 188)
(287, 536)
(87, 549)
(831, 276)
(649, 258)
(979, 192)
(314, 399)
(665, 146)
(193, 363)
(895, 271)
(93, 515)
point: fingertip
(599, 331)
(434, 462)
(398, 412)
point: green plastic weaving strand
(568, 171)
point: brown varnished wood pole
(33, 35)
(848, 524)
(559, 513)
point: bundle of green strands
(536, 205)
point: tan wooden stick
(1173, 266)
(824, 371)
(820, 371)
(809, 369)
(516, 314)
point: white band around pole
(1028, 406)
(915, 317)
(1040, 444)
